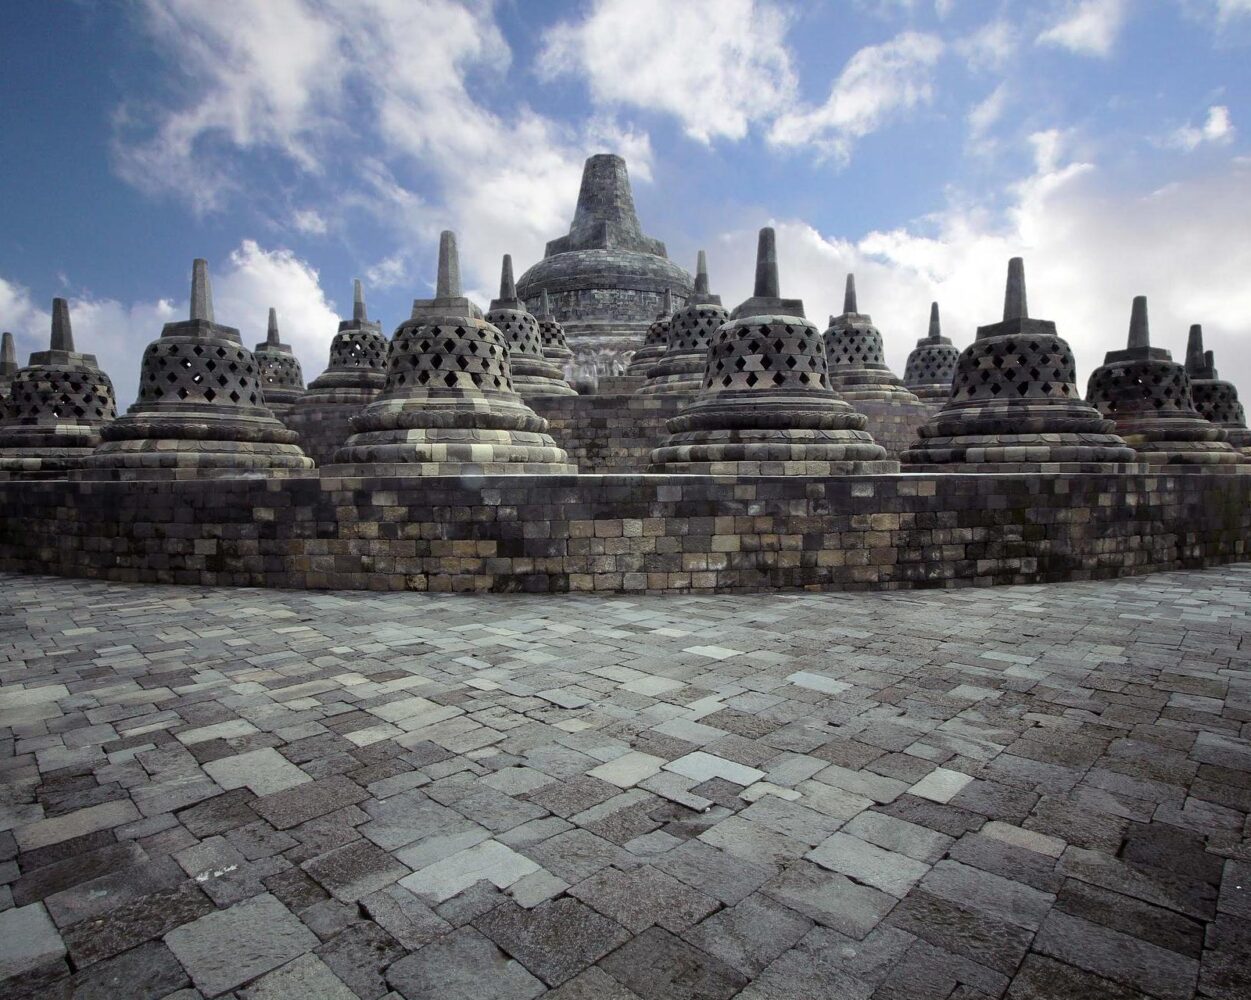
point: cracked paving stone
(639, 898)
(148, 972)
(355, 870)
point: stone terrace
(1026, 792)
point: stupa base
(180, 458)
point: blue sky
(300, 143)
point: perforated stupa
(680, 370)
(201, 407)
(449, 406)
(551, 333)
(856, 358)
(1148, 395)
(57, 404)
(355, 375)
(1015, 405)
(932, 363)
(533, 373)
(281, 377)
(1215, 399)
(656, 342)
(765, 405)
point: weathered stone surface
(225, 949)
(555, 940)
(462, 966)
(658, 966)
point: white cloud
(878, 82)
(1089, 247)
(990, 46)
(1088, 27)
(388, 272)
(309, 221)
(983, 116)
(1228, 10)
(715, 65)
(1217, 129)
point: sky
(298, 144)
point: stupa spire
(666, 305)
(1195, 359)
(545, 305)
(936, 326)
(8, 352)
(271, 332)
(359, 313)
(701, 273)
(1014, 303)
(201, 291)
(62, 332)
(849, 296)
(1139, 330)
(508, 287)
(448, 284)
(767, 286)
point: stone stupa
(856, 357)
(1148, 395)
(1015, 405)
(657, 340)
(533, 374)
(8, 364)
(680, 370)
(765, 406)
(355, 375)
(281, 377)
(605, 277)
(449, 406)
(1215, 399)
(201, 407)
(932, 363)
(552, 334)
(56, 406)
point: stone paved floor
(1026, 792)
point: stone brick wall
(623, 533)
(894, 424)
(608, 433)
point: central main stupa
(606, 280)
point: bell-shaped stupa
(56, 405)
(8, 365)
(552, 334)
(356, 374)
(765, 406)
(680, 370)
(656, 342)
(932, 363)
(1015, 405)
(533, 374)
(1148, 395)
(281, 377)
(605, 277)
(201, 406)
(1215, 399)
(857, 360)
(449, 406)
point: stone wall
(605, 433)
(623, 533)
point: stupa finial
(936, 326)
(448, 283)
(1195, 359)
(359, 312)
(201, 291)
(508, 287)
(701, 273)
(1014, 304)
(1139, 331)
(8, 351)
(271, 332)
(849, 296)
(545, 305)
(62, 332)
(666, 305)
(767, 286)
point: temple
(606, 280)
(281, 378)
